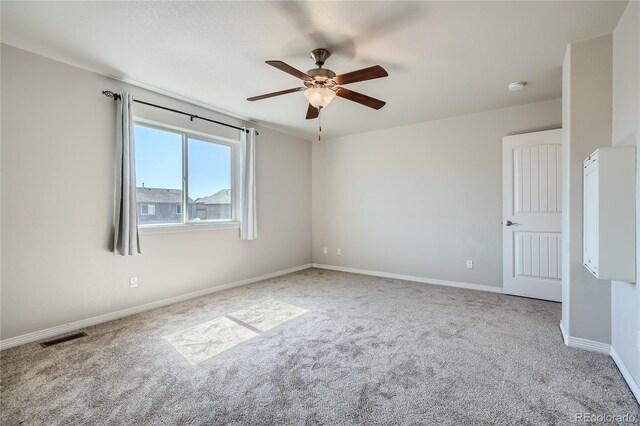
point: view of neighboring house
(216, 206)
(160, 205)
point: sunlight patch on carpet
(199, 343)
(268, 314)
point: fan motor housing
(321, 77)
(323, 73)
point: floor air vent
(62, 339)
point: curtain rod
(115, 97)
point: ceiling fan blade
(312, 112)
(360, 98)
(289, 70)
(270, 95)
(364, 74)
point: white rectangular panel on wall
(609, 214)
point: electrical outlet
(339, 252)
(133, 282)
(325, 251)
(469, 264)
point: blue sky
(159, 162)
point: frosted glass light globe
(319, 96)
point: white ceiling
(444, 58)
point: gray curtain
(125, 239)
(249, 220)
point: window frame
(234, 221)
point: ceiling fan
(321, 85)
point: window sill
(186, 227)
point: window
(148, 209)
(179, 172)
(209, 180)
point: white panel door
(531, 212)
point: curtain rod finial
(110, 94)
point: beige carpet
(360, 350)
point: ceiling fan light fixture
(319, 96)
(321, 85)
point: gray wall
(586, 117)
(58, 150)
(421, 199)
(625, 297)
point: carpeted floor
(367, 351)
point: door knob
(509, 223)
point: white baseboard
(604, 348)
(588, 345)
(424, 280)
(76, 325)
(580, 343)
(565, 336)
(633, 385)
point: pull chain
(319, 123)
